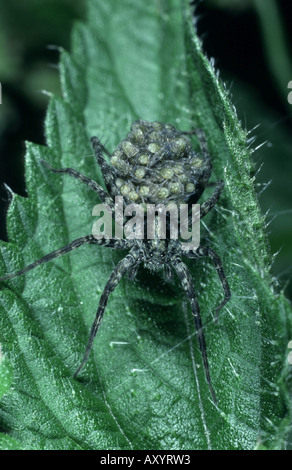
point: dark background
(251, 47)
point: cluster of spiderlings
(155, 163)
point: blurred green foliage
(26, 29)
(30, 34)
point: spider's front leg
(102, 194)
(107, 170)
(54, 254)
(111, 243)
(125, 265)
(187, 284)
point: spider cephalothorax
(154, 164)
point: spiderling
(154, 164)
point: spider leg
(207, 205)
(125, 265)
(115, 243)
(202, 141)
(112, 243)
(206, 251)
(55, 254)
(212, 201)
(98, 147)
(187, 284)
(103, 195)
(106, 169)
(132, 273)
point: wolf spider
(166, 154)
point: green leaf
(7, 443)
(6, 374)
(144, 385)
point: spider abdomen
(155, 163)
